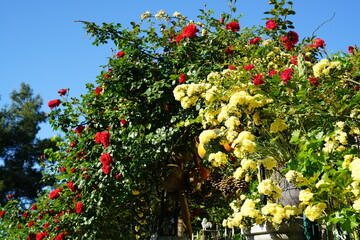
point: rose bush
(255, 103)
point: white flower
(146, 15)
(177, 14)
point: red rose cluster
(254, 40)
(54, 103)
(182, 78)
(106, 160)
(257, 80)
(55, 194)
(42, 235)
(79, 129)
(98, 90)
(271, 24)
(230, 50)
(249, 67)
(2, 213)
(233, 26)
(61, 236)
(188, 32)
(71, 186)
(103, 137)
(318, 43)
(290, 40)
(286, 75)
(79, 208)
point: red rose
(54, 103)
(286, 75)
(62, 92)
(98, 90)
(41, 235)
(98, 137)
(233, 26)
(31, 223)
(182, 78)
(293, 37)
(103, 137)
(290, 40)
(33, 207)
(229, 50)
(189, 31)
(313, 81)
(80, 154)
(71, 186)
(2, 213)
(117, 176)
(55, 193)
(178, 39)
(294, 60)
(221, 21)
(79, 129)
(271, 24)
(123, 121)
(106, 159)
(232, 67)
(254, 40)
(120, 54)
(272, 73)
(351, 49)
(46, 225)
(287, 43)
(319, 43)
(25, 214)
(79, 207)
(73, 144)
(106, 168)
(60, 236)
(258, 79)
(107, 76)
(249, 67)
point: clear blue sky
(41, 44)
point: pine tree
(20, 173)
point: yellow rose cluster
(324, 66)
(337, 140)
(295, 177)
(188, 94)
(277, 213)
(314, 212)
(218, 159)
(248, 213)
(243, 144)
(270, 188)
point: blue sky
(41, 44)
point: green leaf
(295, 136)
